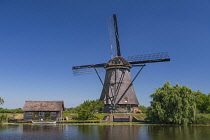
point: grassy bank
(200, 119)
(13, 115)
(101, 116)
(98, 116)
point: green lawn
(101, 116)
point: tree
(1, 101)
(88, 108)
(172, 105)
(203, 102)
(142, 108)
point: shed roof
(43, 106)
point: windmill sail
(118, 90)
(88, 69)
(114, 36)
(149, 58)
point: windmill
(118, 91)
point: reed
(3, 118)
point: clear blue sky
(40, 40)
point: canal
(103, 132)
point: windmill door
(128, 108)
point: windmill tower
(118, 92)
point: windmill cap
(118, 62)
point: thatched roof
(43, 106)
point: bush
(172, 105)
(88, 108)
(202, 119)
(142, 108)
(18, 110)
(3, 118)
(203, 102)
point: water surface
(107, 132)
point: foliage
(74, 116)
(3, 118)
(172, 105)
(18, 110)
(72, 110)
(1, 101)
(88, 108)
(142, 108)
(202, 119)
(203, 102)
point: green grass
(106, 123)
(139, 116)
(68, 113)
(101, 116)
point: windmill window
(112, 85)
(115, 62)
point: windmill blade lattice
(112, 39)
(89, 70)
(149, 58)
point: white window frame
(41, 113)
(53, 114)
(29, 113)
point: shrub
(3, 118)
(172, 105)
(202, 119)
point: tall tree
(172, 105)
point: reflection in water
(119, 131)
(52, 131)
(109, 132)
(179, 132)
(43, 128)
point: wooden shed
(43, 110)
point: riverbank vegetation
(87, 109)
(202, 119)
(17, 110)
(178, 105)
(170, 105)
(3, 118)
